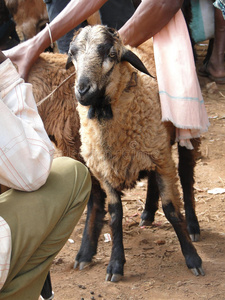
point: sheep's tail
(49, 95)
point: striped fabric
(180, 95)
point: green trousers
(41, 223)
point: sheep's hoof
(195, 237)
(81, 265)
(145, 223)
(193, 229)
(113, 278)
(198, 271)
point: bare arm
(149, 18)
(26, 53)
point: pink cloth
(180, 94)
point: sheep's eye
(112, 54)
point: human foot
(208, 70)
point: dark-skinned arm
(149, 18)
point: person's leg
(40, 223)
(216, 62)
(215, 69)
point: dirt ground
(155, 267)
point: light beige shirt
(26, 152)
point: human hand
(18, 55)
(24, 55)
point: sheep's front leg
(152, 199)
(170, 202)
(93, 226)
(117, 260)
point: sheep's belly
(121, 170)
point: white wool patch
(106, 66)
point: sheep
(61, 121)
(30, 16)
(123, 137)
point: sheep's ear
(69, 63)
(132, 58)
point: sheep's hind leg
(187, 162)
(152, 199)
(170, 203)
(93, 226)
(117, 259)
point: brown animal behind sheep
(30, 16)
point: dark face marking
(107, 50)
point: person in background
(214, 68)
(46, 197)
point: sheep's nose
(83, 86)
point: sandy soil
(155, 267)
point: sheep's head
(94, 51)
